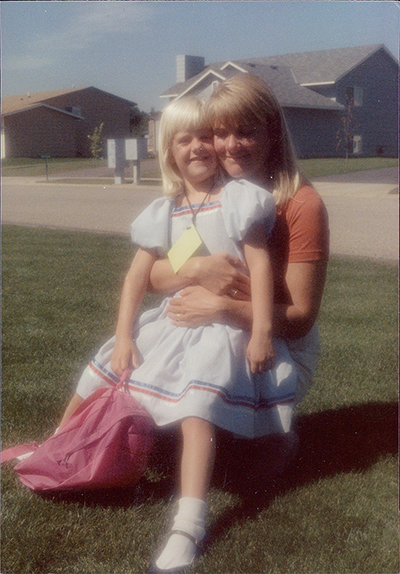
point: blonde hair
(184, 114)
(245, 99)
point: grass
(321, 167)
(149, 168)
(334, 511)
(32, 167)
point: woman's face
(243, 151)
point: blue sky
(130, 48)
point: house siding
(96, 107)
(313, 132)
(26, 132)
(39, 131)
(376, 120)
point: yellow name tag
(184, 248)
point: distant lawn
(335, 166)
(335, 511)
(31, 167)
(149, 168)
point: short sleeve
(151, 229)
(243, 204)
(308, 227)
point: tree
(96, 142)
(347, 127)
(138, 122)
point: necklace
(194, 213)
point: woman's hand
(124, 356)
(195, 306)
(222, 274)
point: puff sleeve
(152, 228)
(243, 204)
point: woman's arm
(305, 282)
(260, 351)
(124, 355)
(222, 274)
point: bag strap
(124, 380)
(15, 451)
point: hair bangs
(230, 112)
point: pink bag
(106, 443)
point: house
(154, 126)
(336, 102)
(58, 123)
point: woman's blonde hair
(244, 100)
(184, 114)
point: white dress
(203, 371)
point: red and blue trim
(185, 210)
(171, 397)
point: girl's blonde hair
(184, 114)
(244, 100)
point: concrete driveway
(364, 214)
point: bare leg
(71, 408)
(197, 457)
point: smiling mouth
(237, 157)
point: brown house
(58, 123)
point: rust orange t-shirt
(301, 234)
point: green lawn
(149, 168)
(335, 510)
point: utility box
(122, 151)
(116, 158)
(116, 153)
(135, 149)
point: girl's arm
(222, 274)
(260, 352)
(125, 355)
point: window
(357, 144)
(76, 110)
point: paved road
(364, 215)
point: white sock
(180, 550)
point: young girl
(208, 376)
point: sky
(129, 48)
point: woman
(252, 142)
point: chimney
(188, 66)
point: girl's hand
(124, 356)
(260, 354)
(194, 307)
(222, 274)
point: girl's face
(243, 151)
(193, 155)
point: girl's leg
(197, 464)
(198, 457)
(71, 408)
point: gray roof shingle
(324, 66)
(289, 74)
